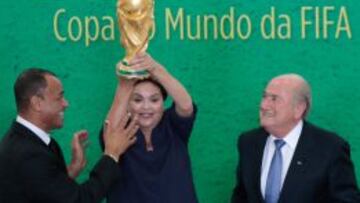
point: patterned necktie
(273, 181)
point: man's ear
(300, 109)
(35, 103)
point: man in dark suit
(288, 159)
(32, 167)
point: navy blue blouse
(162, 175)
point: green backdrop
(217, 49)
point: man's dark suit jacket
(320, 170)
(31, 172)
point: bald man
(288, 159)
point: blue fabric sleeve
(182, 125)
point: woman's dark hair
(150, 80)
(157, 84)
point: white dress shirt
(45, 137)
(287, 151)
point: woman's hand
(143, 61)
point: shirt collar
(45, 137)
(292, 138)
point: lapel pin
(299, 163)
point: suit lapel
(29, 135)
(258, 156)
(298, 164)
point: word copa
(88, 29)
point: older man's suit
(31, 172)
(320, 171)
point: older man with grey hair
(288, 159)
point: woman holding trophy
(157, 167)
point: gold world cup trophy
(136, 21)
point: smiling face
(147, 102)
(53, 104)
(279, 110)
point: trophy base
(124, 71)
